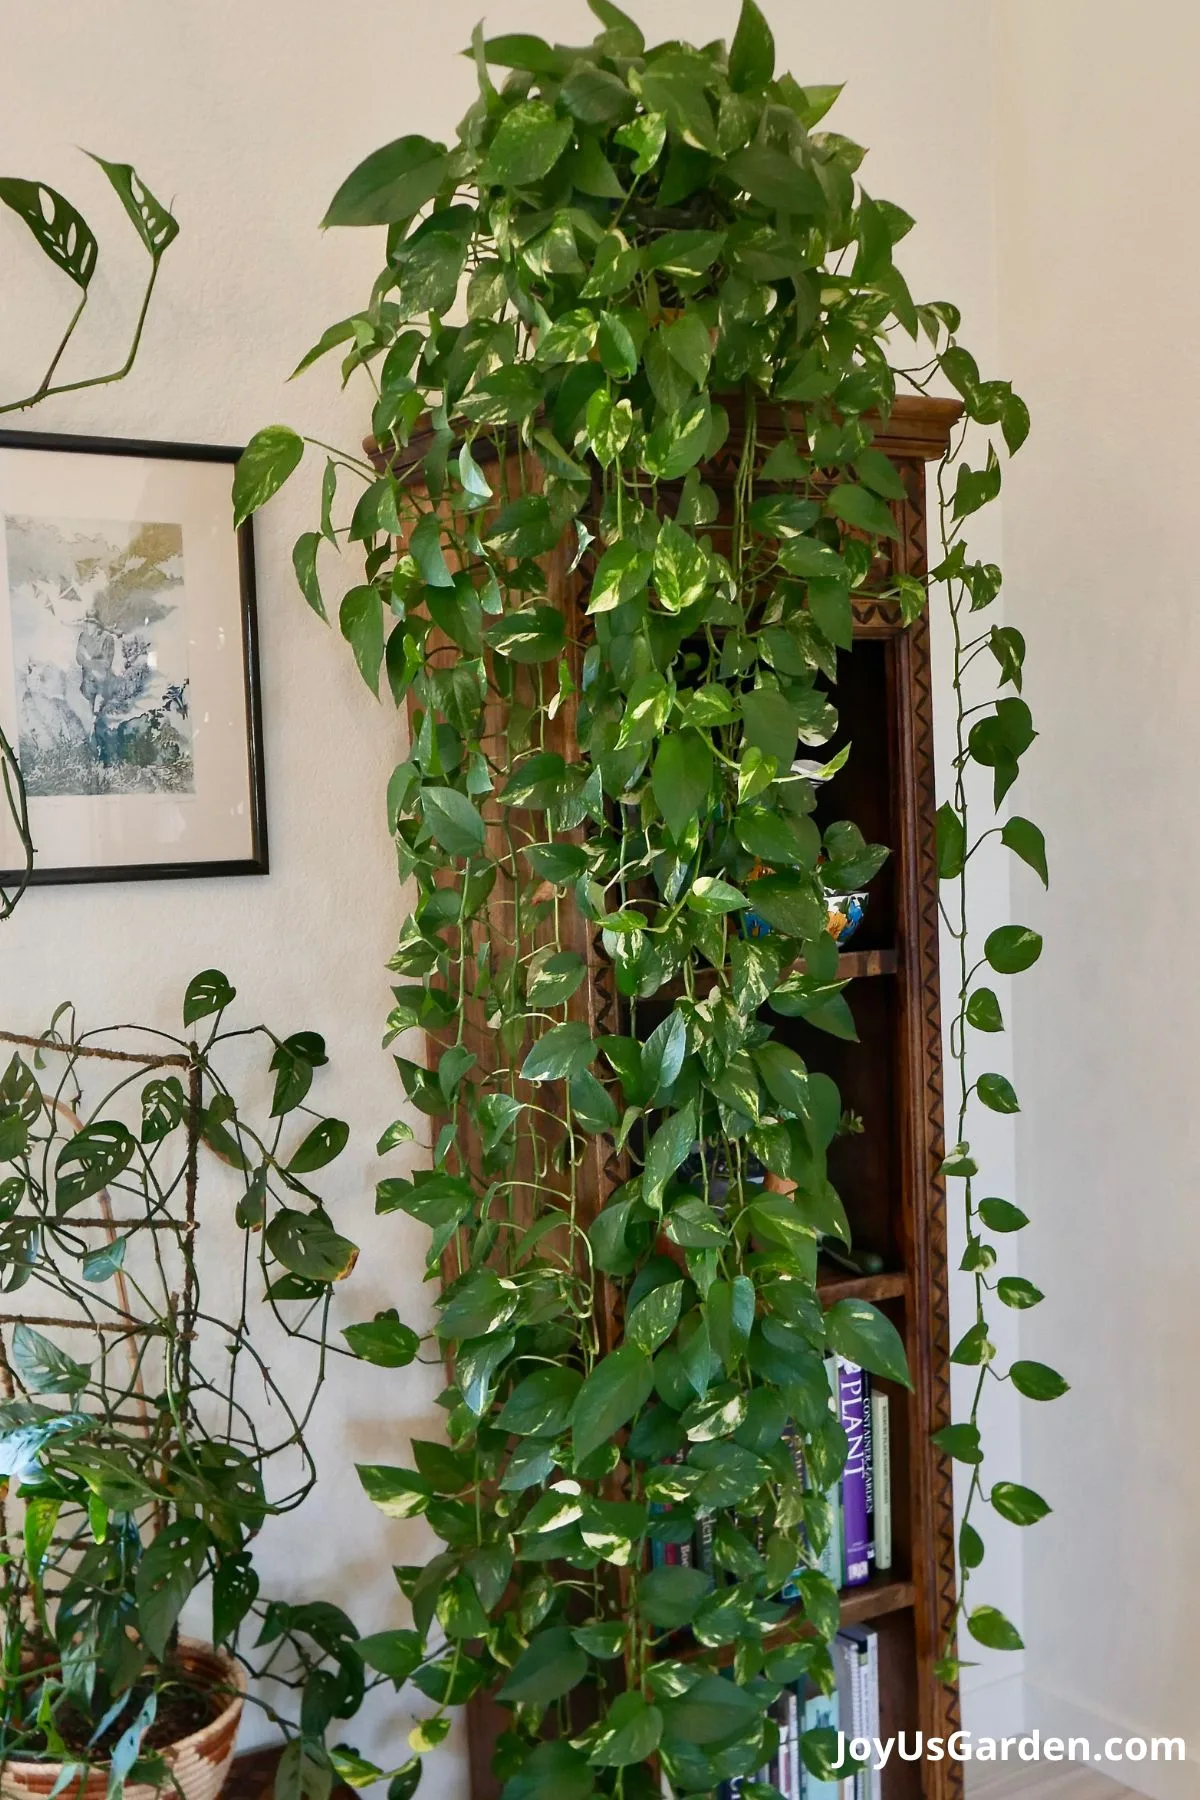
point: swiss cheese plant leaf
(152, 221)
(45, 1368)
(88, 1162)
(62, 233)
(207, 993)
(307, 1245)
(168, 1571)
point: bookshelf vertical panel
(919, 1070)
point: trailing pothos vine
(64, 236)
(658, 252)
(992, 736)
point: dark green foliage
(136, 1453)
(644, 240)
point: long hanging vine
(64, 236)
(992, 735)
(660, 253)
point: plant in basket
(155, 1396)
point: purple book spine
(852, 1390)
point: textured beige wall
(1098, 145)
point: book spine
(791, 1437)
(831, 1557)
(881, 1450)
(851, 1672)
(857, 1540)
(873, 1778)
(781, 1773)
(862, 1781)
(830, 1564)
(670, 1554)
(704, 1546)
(820, 1710)
(869, 1462)
(844, 1656)
(790, 1787)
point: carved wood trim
(933, 1547)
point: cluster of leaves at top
(64, 236)
(130, 1439)
(637, 233)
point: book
(830, 1564)
(849, 1659)
(830, 1561)
(881, 1456)
(791, 1789)
(852, 1407)
(865, 1642)
(781, 1768)
(869, 1465)
(672, 1552)
(820, 1710)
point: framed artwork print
(129, 660)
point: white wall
(248, 116)
(1098, 139)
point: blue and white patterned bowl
(846, 913)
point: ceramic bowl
(846, 913)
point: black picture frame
(257, 861)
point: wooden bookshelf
(887, 1176)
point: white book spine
(852, 1689)
(783, 1756)
(874, 1777)
(881, 1451)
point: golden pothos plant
(619, 239)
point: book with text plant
(853, 1404)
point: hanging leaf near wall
(66, 239)
(651, 246)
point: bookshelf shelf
(839, 1284)
(853, 965)
(876, 1599)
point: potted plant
(613, 524)
(139, 1458)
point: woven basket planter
(199, 1762)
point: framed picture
(129, 660)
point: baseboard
(1054, 1714)
(995, 1708)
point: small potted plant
(140, 1460)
